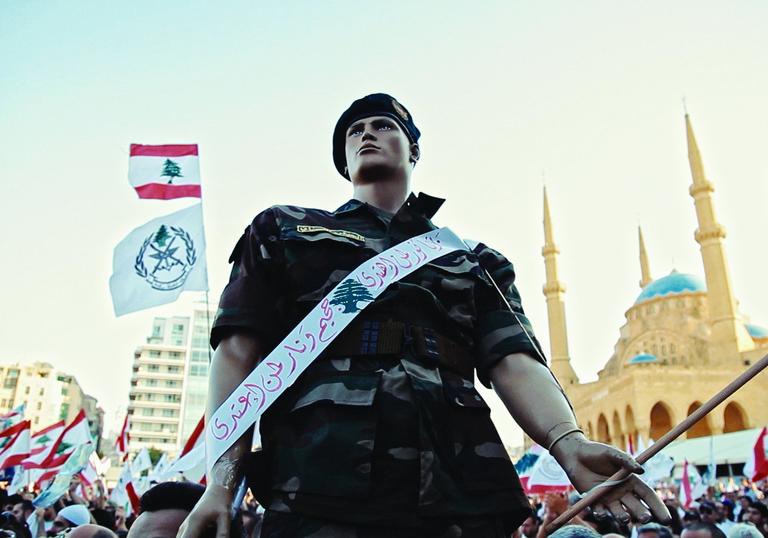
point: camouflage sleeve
(500, 331)
(250, 301)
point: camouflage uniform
(382, 441)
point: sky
(584, 97)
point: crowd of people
(739, 514)
(733, 514)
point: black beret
(376, 104)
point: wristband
(566, 432)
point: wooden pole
(597, 492)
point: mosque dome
(672, 284)
(755, 331)
(642, 358)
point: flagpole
(594, 494)
(208, 322)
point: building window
(154, 353)
(10, 382)
(153, 367)
(177, 328)
(175, 355)
(41, 392)
(39, 405)
(169, 413)
(151, 382)
(157, 330)
(148, 412)
(26, 389)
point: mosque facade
(682, 341)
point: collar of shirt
(423, 204)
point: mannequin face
(377, 148)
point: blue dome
(671, 284)
(642, 358)
(755, 331)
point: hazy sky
(585, 94)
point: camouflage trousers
(292, 525)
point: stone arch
(700, 428)
(629, 421)
(734, 418)
(603, 432)
(590, 431)
(661, 420)
(618, 431)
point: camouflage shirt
(372, 438)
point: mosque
(683, 340)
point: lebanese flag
(691, 485)
(17, 448)
(756, 466)
(77, 433)
(191, 460)
(121, 443)
(42, 444)
(526, 463)
(165, 172)
(125, 492)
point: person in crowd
(744, 530)
(165, 506)
(530, 527)
(708, 512)
(91, 531)
(23, 509)
(741, 508)
(757, 514)
(575, 531)
(11, 527)
(71, 516)
(699, 529)
(653, 530)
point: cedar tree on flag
(121, 443)
(77, 433)
(165, 172)
(756, 466)
(42, 444)
(17, 448)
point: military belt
(394, 338)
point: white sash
(280, 369)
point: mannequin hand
(588, 464)
(212, 510)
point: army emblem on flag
(159, 260)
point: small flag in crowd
(121, 443)
(42, 444)
(159, 260)
(165, 172)
(756, 466)
(76, 460)
(16, 449)
(525, 464)
(141, 462)
(76, 434)
(12, 417)
(691, 486)
(191, 460)
(124, 493)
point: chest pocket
(317, 258)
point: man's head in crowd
(91, 531)
(23, 509)
(744, 530)
(653, 530)
(699, 529)
(163, 509)
(757, 514)
(71, 516)
(708, 512)
(575, 531)
(530, 526)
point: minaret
(728, 336)
(553, 291)
(645, 270)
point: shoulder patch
(304, 229)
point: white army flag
(159, 260)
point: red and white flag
(121, 443)
(691, 485)
(42, 444)
(77, 433)
(125, 492)
(191, 460)
(756, 466)
(547, 476)
(17, 447)
(165, 172)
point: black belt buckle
(369, 339)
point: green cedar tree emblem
(171, 170)
(349, 293)
(162, 235)
(42, 440)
